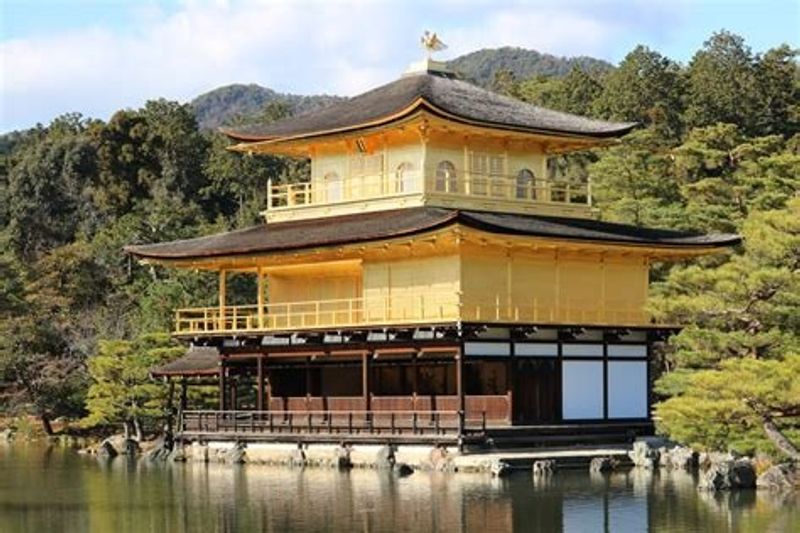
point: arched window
(333, 187)
(446, 180)
(404, 177)
(526, 184)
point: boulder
(385, 457)
(601, 465)
(106, 450)
(440, 460)
(234, 455)
(780, 477)
(729, 475)
(298, 457)
(644, 455)
(161, 451)
(178, 454)
(131, 447)
(678, 457)
(6, 435)
(499, 468)
(402, 470)
(342, 460)
(708, 459)
(544, 467)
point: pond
(44, 489)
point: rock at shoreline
(106, 450)
(298, 459)
(234, 455)
(601, 465)
(402, 470)
(178, 454)
(644, 455)
(729, 475)
(780, 477)
(708, 459)
(385, 457)
(161, 451)
(544, 467)
(440, 460)
(6, 435)
(343, 461)
(679, 457)
(499, 468)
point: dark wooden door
(537, 391)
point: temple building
(437, 279)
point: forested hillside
(718, 150)
(483, 66)
(240, 102)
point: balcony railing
(472, 185)
(397, 310)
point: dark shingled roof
(197, 361)
(366, 227)
(432, 91)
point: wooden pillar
(414, 379)
(233, 386)
(365, 379)
(260, 393)
(260, 299)
(308, 377)
(222, 385)
(462, 404)
(222, 297)
(183, 394)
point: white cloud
(546, 30)
(306, 47)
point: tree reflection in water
(58, 490)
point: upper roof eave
(457, 99)
(383, 225)
(248, 141)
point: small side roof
(197, 361)
(439, 93)
(376, 226)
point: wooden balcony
(427, 308)
(385, 191)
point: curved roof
(376, 226)
(197, 361)
(439, 93)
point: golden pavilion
(437, 279)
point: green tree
(44, 196)
(746, 405)
(646, 87)
(723, 85)
(634, 183)
(574, 93)
(121, 390)
(742, 309)
(779, 84)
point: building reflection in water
(83, 494)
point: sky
(98, 56)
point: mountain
(219, 106)
(480, 67)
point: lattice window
(484, 169)
(366, 165)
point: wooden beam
(222, 385)
(260, 299)
(222, 298)
(365, 379)
(260, 393)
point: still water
(52, 490)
